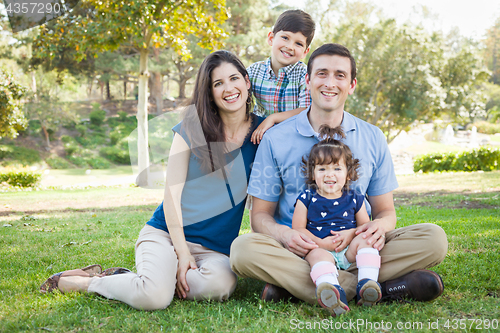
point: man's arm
(384, 220)
(263, 222)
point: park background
(72, 94)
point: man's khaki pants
(153, 286)
(406, 249)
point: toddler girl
(328, 212)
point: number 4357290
(33, 8)
(477, 324)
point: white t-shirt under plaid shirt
(278, 94)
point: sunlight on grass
(105, 228)
(429, 147)
(68, 177)
(450, 181)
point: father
(273, 252)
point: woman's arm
(176, 177)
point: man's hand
(374, 232)
(296, 242)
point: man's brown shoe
(272, 293)
(420, 285)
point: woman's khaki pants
(153, 286)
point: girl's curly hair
(330, 150)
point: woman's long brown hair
(209, 147)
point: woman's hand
(341, 239)
(263, 127)
(185, 263)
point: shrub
(91, 140)
(78, 161)
(487, 128)
(485, 159)
(71, 148)
(10, 154)
(58, 163)
(122, 116)
(115, 154)
(120, 132)
(98, 162)
(82, 129)
(67, 139)
(20, 177)
(97, 117)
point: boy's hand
(342, 238)
(263, 127)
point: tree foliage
(138, 26)
(11, 114)
(404, 72)
(492, 51)
(248, 26)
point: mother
(188, 251)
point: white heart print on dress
(336, 203)
(319, 228)
(314, 199)
(303, 196)
(345, 214)
(323, 214)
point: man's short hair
(332, 49)
(296, 20)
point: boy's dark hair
(332, 49)
(327, 151)
(296, 20)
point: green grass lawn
(69, 177)
(429, 147)
(45, 241)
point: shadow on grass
(139, 208)
(449, 200)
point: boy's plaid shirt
(278, 94)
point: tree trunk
(494, 70)
(101, 85)
(46, 134)
(167, 92)
(89, 88)
(182, 86)
(108, 91)
(125, 89)
(33, 86)
(157, 90)
(142, 121)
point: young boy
(278, 83)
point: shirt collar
(305, 129)
(288, 69)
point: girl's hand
(185, 263)
(342, 238)
(263, 127)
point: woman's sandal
(115, 270)
(52, 282)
